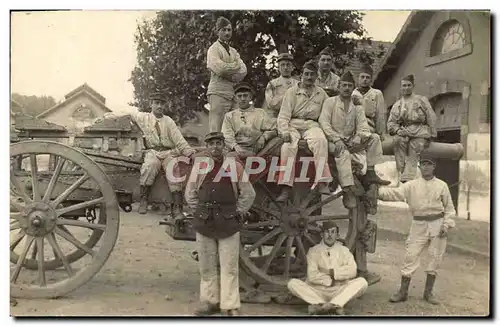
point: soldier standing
(326, 78)
(276, 88)
(219, 203)
(412, 122)
(430, 203)
(226, 69)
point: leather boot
(206, 309)
(402, 294)
(429, 284)
(143, 206)
(285, 193)
(177, 203)
(371, 177)
(371, 278)
(348, 199)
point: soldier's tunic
(374, 105)
(165, 148)
(245, 127)
(299, 115)
(318, 287)
(226, 69)
(431, 206)
(216, 200)
(275, 92)
(414, 113)
(339, 123)
(329, 83)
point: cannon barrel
(435, 150)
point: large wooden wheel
(43, 229)
(274, 248)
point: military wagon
(67, 191)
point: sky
(53, 53)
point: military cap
(214, 135)
(367, 69)
(347, 77)
(242, 87)
(157, 96)
(327, 225)
(222, 22)
(427, 158)
(409, 78)
(311, 65)
(285, 56)
(326, 51)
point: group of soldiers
(334, 118)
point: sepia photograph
(244, 163)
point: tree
(34, 105)
(172, 47)
(474, 179)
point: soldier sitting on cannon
(331, 275)
(345, 125)
(247, 129)
(412, 122)
(298, 119)
(276, 88)
(164, 143)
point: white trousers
(339, 294)
(218, 263)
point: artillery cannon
(92, 179)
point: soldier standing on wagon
(412, 122)
(345, 125)
(226, 69)
(430, 203)
(247, 129)
(372, 100)
(276, 88)
(298, 119)
(326, 78)
(220, 203)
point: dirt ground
(150, 274)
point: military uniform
(276, 89)
(414, 115)
(431, 205)
(330, 81)
(226, 69)
(217, 204)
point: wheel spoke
(311, 240)
(53, 180)
(265, 238)
(53, 242)
(302, 250)
(307, 200)
(20, 260)
(15, 225)
(85, 204)
(63, 221)
(317, 218)
(323, 202)
(74, 241)
(289, 243)
(41, 269)
(261, 224)
(35, 250)
(273, 252)
(261, 209)
(34, 178)
(268, 193)
(17, 205)
(15, 215)
(68, 191)
(17, 239)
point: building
(448, 52)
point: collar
(249, 109)
(326, 77)
(224, 43)
(360, 91)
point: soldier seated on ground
(331, 280)
(164, 145)
(247, 129)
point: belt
(414, 124)
(216, 205)
(431, 217)
(160, 148)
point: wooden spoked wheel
(274, 249)
(41, 230)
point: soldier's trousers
(154, 161)
(317, 143)
(423, 233)
(368, 153)
(219, 270)
(407, 152)
(219, 106)
(339, 294)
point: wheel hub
(38, 219)
(293, 223)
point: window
(449, 37)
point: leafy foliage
(33, 105)
(172, 47)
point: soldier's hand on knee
(402, 132)
(339, 148)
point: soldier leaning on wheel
(431, 205)
(164, 143)
(220, 202)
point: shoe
(371, 278)
(371, 177)
(315, 309)
(429, 284)
(348, 198)
(206, 309)
(231, 312)
(402, 294)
